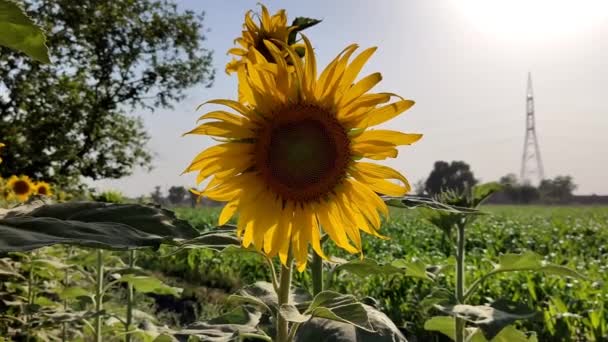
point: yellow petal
(239, 107)
(226, 117)
(286, 222)
(353, 69)
(360, 88)
(387, 136)
(385, 113)
(374, 177)
(228, 211)
(332, 228)
(223, 129)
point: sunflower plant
(292, 158)
(452, 212)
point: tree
(74, 117)
(157, 195)
(177, 194)
(516, 192)
(557, 190)
(455, 176)
(420, 187)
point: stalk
(460, 281)
(66, 281)
(316, 268)
(284, 287)
(129, 320)
(30, 299)
(99, 296)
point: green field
(573, 236)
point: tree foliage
(455, 176)
(177, 194)
(73, 117)
(557, 190)
(517, 192)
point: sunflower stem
(316, 268)
(460, 281)
(129, 318)
(99, 297)
(283, 295)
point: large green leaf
(445, 325)
(263, 292)
(339, 307)
(19, 32)
(526, 261)
(530, 261)
(148, 284)
(146, 218)
(490, 319)
(442, 324)
(220, 238)
(319, 329)
(90, 224)
(226, 328)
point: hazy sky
(465, 63)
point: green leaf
(530, 261)
(414, 268)
(319, 329)
(248, 299)
(490, 319)
(291, 314)
(484, 191)
(366, 267)
(301, 24)
(511, 334)
(338, 307)
(218, 239)
(147, 284)
(442, 324)
(264, 292)
(411, 202)
(50, 263)
(90, 224)
(73, 292)
(19, 32)
(526, 261)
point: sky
(464, 62)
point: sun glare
(533, 20)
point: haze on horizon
(465, 63)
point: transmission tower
(531, 163)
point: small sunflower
(1, 146)
(290, 159)
(20, 187)
(271, 28)
(43, 188)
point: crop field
(573, 236)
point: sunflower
(254, 36)
(290, 160)
(20, 187)
(1, 146)
(43, 188)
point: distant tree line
(458, 176)
(178, 196)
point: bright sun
(533, 20)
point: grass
(572, 236)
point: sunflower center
(42, 190)
(302, 153)
(21, 187)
